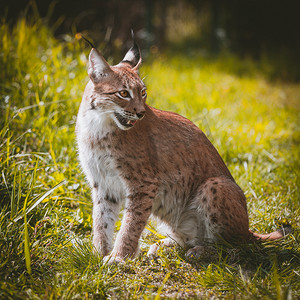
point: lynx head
(118, 91)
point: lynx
(155, 161)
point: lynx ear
(98, 66)
(133, 56)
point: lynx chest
(100, 168)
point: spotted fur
(156, 162)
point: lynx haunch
(157, 162)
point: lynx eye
(124, 94)
(143, 93)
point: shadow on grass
(258, 258)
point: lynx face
(118, 91)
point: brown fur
(160, 164)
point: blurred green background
(261, 30)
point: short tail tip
(285, 229)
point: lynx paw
(194, 252)
(200, 251)
(111, 259)
(153, 249)
(168, 242)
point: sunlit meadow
(45, 206)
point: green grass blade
(27, 246)
(26, 235)
(13, 194)
(157, 297)
(39, 200)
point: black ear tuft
(133, 56)
(89, 42)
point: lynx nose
(140, 115)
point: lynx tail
(281, 232)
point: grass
(45, 208)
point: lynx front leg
(105, 213)
(137, 212)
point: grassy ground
(45, 207)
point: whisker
(127, 115)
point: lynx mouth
(128, 123)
